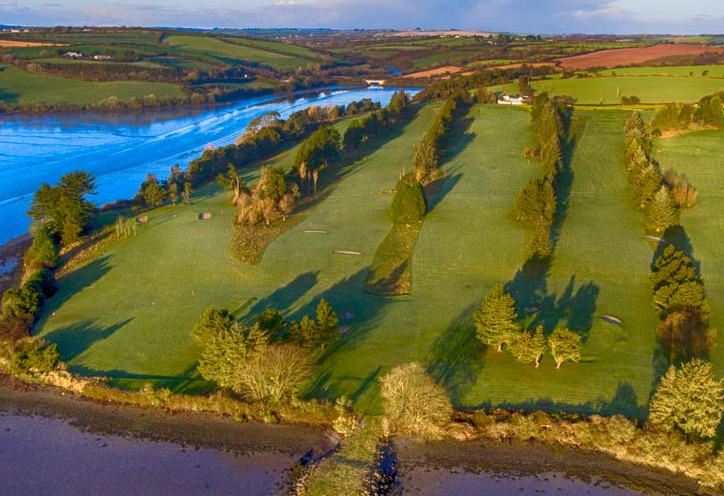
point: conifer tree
(496, 321)
(661, 213)
(690, 399)
(529, 346)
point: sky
(520, 16)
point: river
(121, 148)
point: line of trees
(659, 196)
(680, 299)
(377, 122)
(537, 203)
(426, 160)
(497, 325)
(708, 111)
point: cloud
(549, 16)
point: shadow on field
(446, 186)
(345, 297)
(182, 382)
(456, 359)
(74, 339)
(284, 297)
(677, 236)
(564, 179)
(624, 401)
(537, 306)
(79, 280)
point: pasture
(469, 242)
(609, 90)
(698, 155)
(215, 47)
(19, 86)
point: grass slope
(129, 314)
(698, 155)
(219, 48)
(19, 86)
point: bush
(33, 355)
(415, 403)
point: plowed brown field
(627, 56)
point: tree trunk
(537, 361)
(500, 348)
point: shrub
(415, 403)
(33, 355)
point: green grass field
(713, 71)
(698, 155)
(608, 90)
(273, 46)
(19, 86)
(212, 46)
(469, 242)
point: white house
(511, 100)
(73, 55)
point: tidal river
(121, 148)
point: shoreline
(212, 431)
(14, 248)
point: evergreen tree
(327, 321)
(676, 284)
(43, 252)
(565, 345)
(661, 212)
(690, 399)
(425, 160)
(496, 322)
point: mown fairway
(698, 155)
(222, 49)
(19, 86)
(600, 267)
(128, 315)
(609, 90)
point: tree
(225, 349)
(233, 182)
(272, 373)
(304, 333)
(661, 213)
(186, 195)
(675, 284)
(43, 252)
(496, 322)
(63, 208)
(528, 346)
(327, 321)
(690, 399)
(414, 403)
(565, 345)
(426, 158)
(151, 192)
(173, 193)
(409, 204)
(321, 148)
(685, 334)
(354, 134)
(212, 322)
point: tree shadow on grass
(677, 236)
(181, 382)
(345, 297)
(537, 306)
(283, 298)
(564, 179)
(74, 339)
(77, 281)
(437, 193)
(456, 359)
(623, 402)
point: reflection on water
(121, 148)
(48, 456)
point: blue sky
(535, 16)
